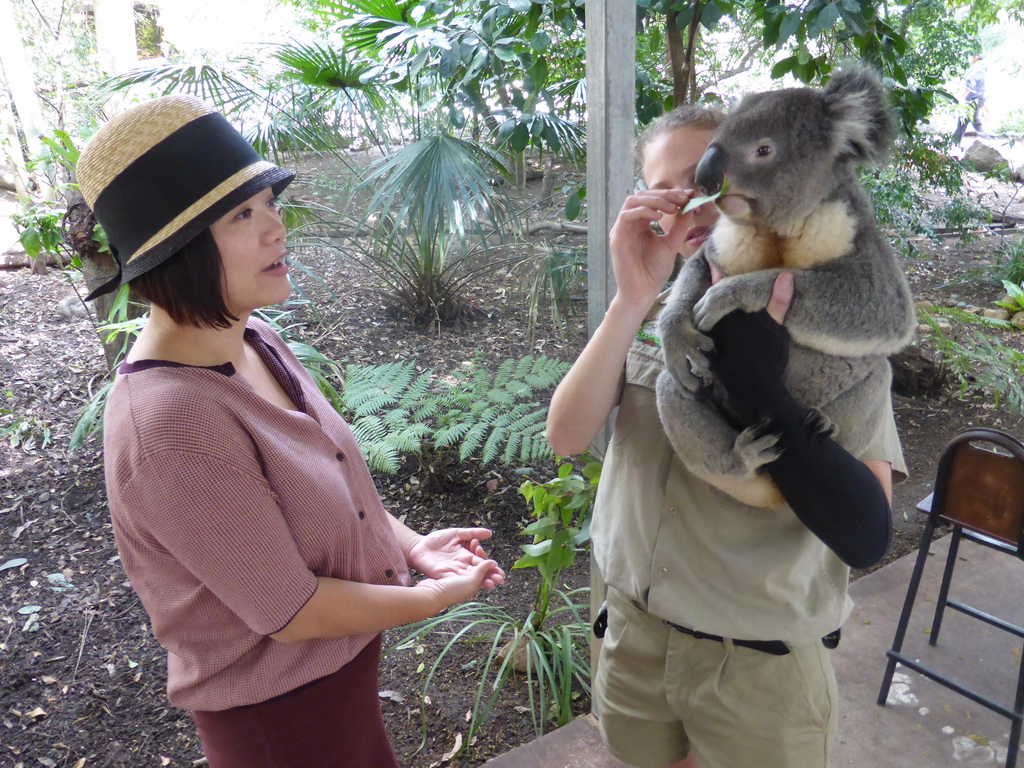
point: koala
(793, 203)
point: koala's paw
(755, 447)
(725, 297)
(700, 370)
(752, 449)
(817, 425)
(686, 358)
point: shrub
(550, 645)
(982, 364)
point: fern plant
(393, 410)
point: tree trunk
(97, 267)
(10, 148)
(548, 185)
(681, 56)
(676, 59)
(17, 70)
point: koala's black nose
(711, 169)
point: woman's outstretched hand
(455, 552)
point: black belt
(774, 647)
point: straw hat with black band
(162, 172)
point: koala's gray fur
(796, 206)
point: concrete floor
(923, 724)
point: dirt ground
(81, 678)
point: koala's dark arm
(834, 494)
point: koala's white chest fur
(826, 234)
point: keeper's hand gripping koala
(794, 204)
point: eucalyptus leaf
(697, 202)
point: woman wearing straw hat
(245, 517)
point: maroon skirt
(333, 722)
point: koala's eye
(764, 150)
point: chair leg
(1014, 746)
(908, 606)
(947, 577)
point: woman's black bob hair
(188, 286)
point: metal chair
(980, 492)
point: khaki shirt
(695, 556)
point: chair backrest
(980, 489)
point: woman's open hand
(454, 551)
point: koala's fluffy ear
(863, 126)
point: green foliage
(25, 432)
(1012, 123)
(470, 412)
(982, 364)
(439, 187)
(939, 37)
(550, 645)
(461, 64)
(39, 230)
(540, 130)
(60, 47)
(561, 510)
(820, 34)
(550, 278)
(432, 206)
(1014, 300)
(554, 658)
(228, 87)
(898, 191)
(118, 325)
(62, 151)
(40, 225)
(1011, 261)
(90, 420)
(298, 97)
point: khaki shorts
(660, 693)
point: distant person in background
(974, 97)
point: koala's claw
(686, 381)
(705, 316)
(751, 450)
(817, 425)
(703, 342)
(686, 358)
(700, 368)
(755, 447)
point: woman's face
(670, 162)
(251, 243)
